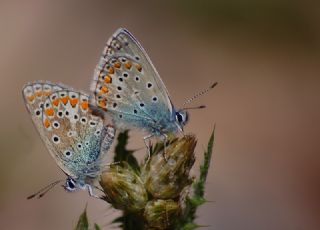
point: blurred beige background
(265, 56)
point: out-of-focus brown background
(265, 56)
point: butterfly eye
(182, 117)
(137, 58)
(70, 185)
(179, 117)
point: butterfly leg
(90, 190)
(145, 139)
(165, 139)
(111, 164)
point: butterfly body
(75, 138)
(129, 89)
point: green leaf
(83, 221)
(199, 185)
(190, 226)
(197, 201)
(204, 168)
(97, 227)
(122, 154)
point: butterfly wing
(34, 95)
(72, 134)
(127, 85)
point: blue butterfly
(128, 88)
(75, 138)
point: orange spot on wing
(104, 90)
(46, 93)
(46, 123)
(103, 104)
(84, 105)
(64, 100)
(128, 65)
(39, 93)
(139, 68)
(74, 102)
(111, 70)
(117, 64)
(56, 102)
(107, 79)
(31, 98)
(49, 112)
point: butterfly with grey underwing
(127, 87)
(75, 137)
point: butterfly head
(70, 185)
(182, 118)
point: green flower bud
(161, 214)
(123, 188)
(165, 177)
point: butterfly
(128, 88)
(75, 137)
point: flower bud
(160, 214)
(123, 188)
(165, 177)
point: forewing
(127, 84)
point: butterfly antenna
(196, 107)
(200, 94)
(44, 190)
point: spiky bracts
(159, 193)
